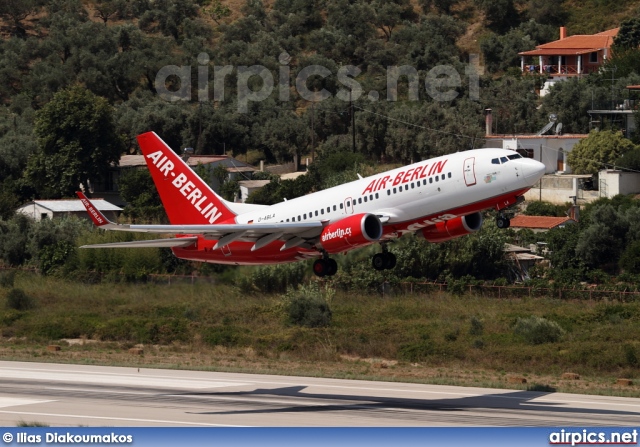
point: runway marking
(120, 419)
(17, 401)
(197, 383)
(115, 379)
(88, 390)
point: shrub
(538, 330)
(278, 278)
(7, 278)
(17, 299)
(416, 352)
(477, 326)
(308, 307)
(221, 336)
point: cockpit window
(504, 159)
(495, 161)
(514, 156)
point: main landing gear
(325, 267)
(385, 260)
(503, 221)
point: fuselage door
(469, 171)
(348, 205)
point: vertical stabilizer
(187, 199)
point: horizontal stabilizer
(166, 243)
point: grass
(429, 338)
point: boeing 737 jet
(438, 199)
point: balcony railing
(616, 104)
(564, 70)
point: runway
(74, 395)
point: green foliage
(542, 208)
(307, 306)
(629, 160)
(228, 336)
(501, 51)
(477, 326)
(597, 151)
(276, 279)
(628, 36)
(501, 15)
(77, 141)
(538, 330)
(630, 258)
(7, 278)
(418, 351)
(143, 202)
(17, 299)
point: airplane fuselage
(406, 199)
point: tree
(597, 151)
(628, 36)
(389, 14)
(442, 6)
(137, 189)
(77, 142)
(15, 11)
(501, 14)
(217, 11)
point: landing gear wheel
(332, 267)
(389, 261)
(383, 261)
(320, 267)
(503, 222)
(378, 261)
(325, 267)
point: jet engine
(453, 228)
(351, 232)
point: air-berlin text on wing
(186, 187)
(405, 176)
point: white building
(551, 150)
(49, 209)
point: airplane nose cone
(533, 170)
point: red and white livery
(440, 199)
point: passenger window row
(365, 199)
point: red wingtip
(96, 216)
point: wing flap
(165, 243)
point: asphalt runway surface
(79, 395)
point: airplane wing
(294, 233)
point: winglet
(96, 216)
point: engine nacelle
(351, 232)
(453, 228)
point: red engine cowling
(351, 232)
(453, 228)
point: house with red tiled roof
(540, 223)
(569, 56)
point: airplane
(438, 199)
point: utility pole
(353, 124)
(313, 130)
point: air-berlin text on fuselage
(187, 187)
(339, 233)
(405, 176)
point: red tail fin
(186, 198)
